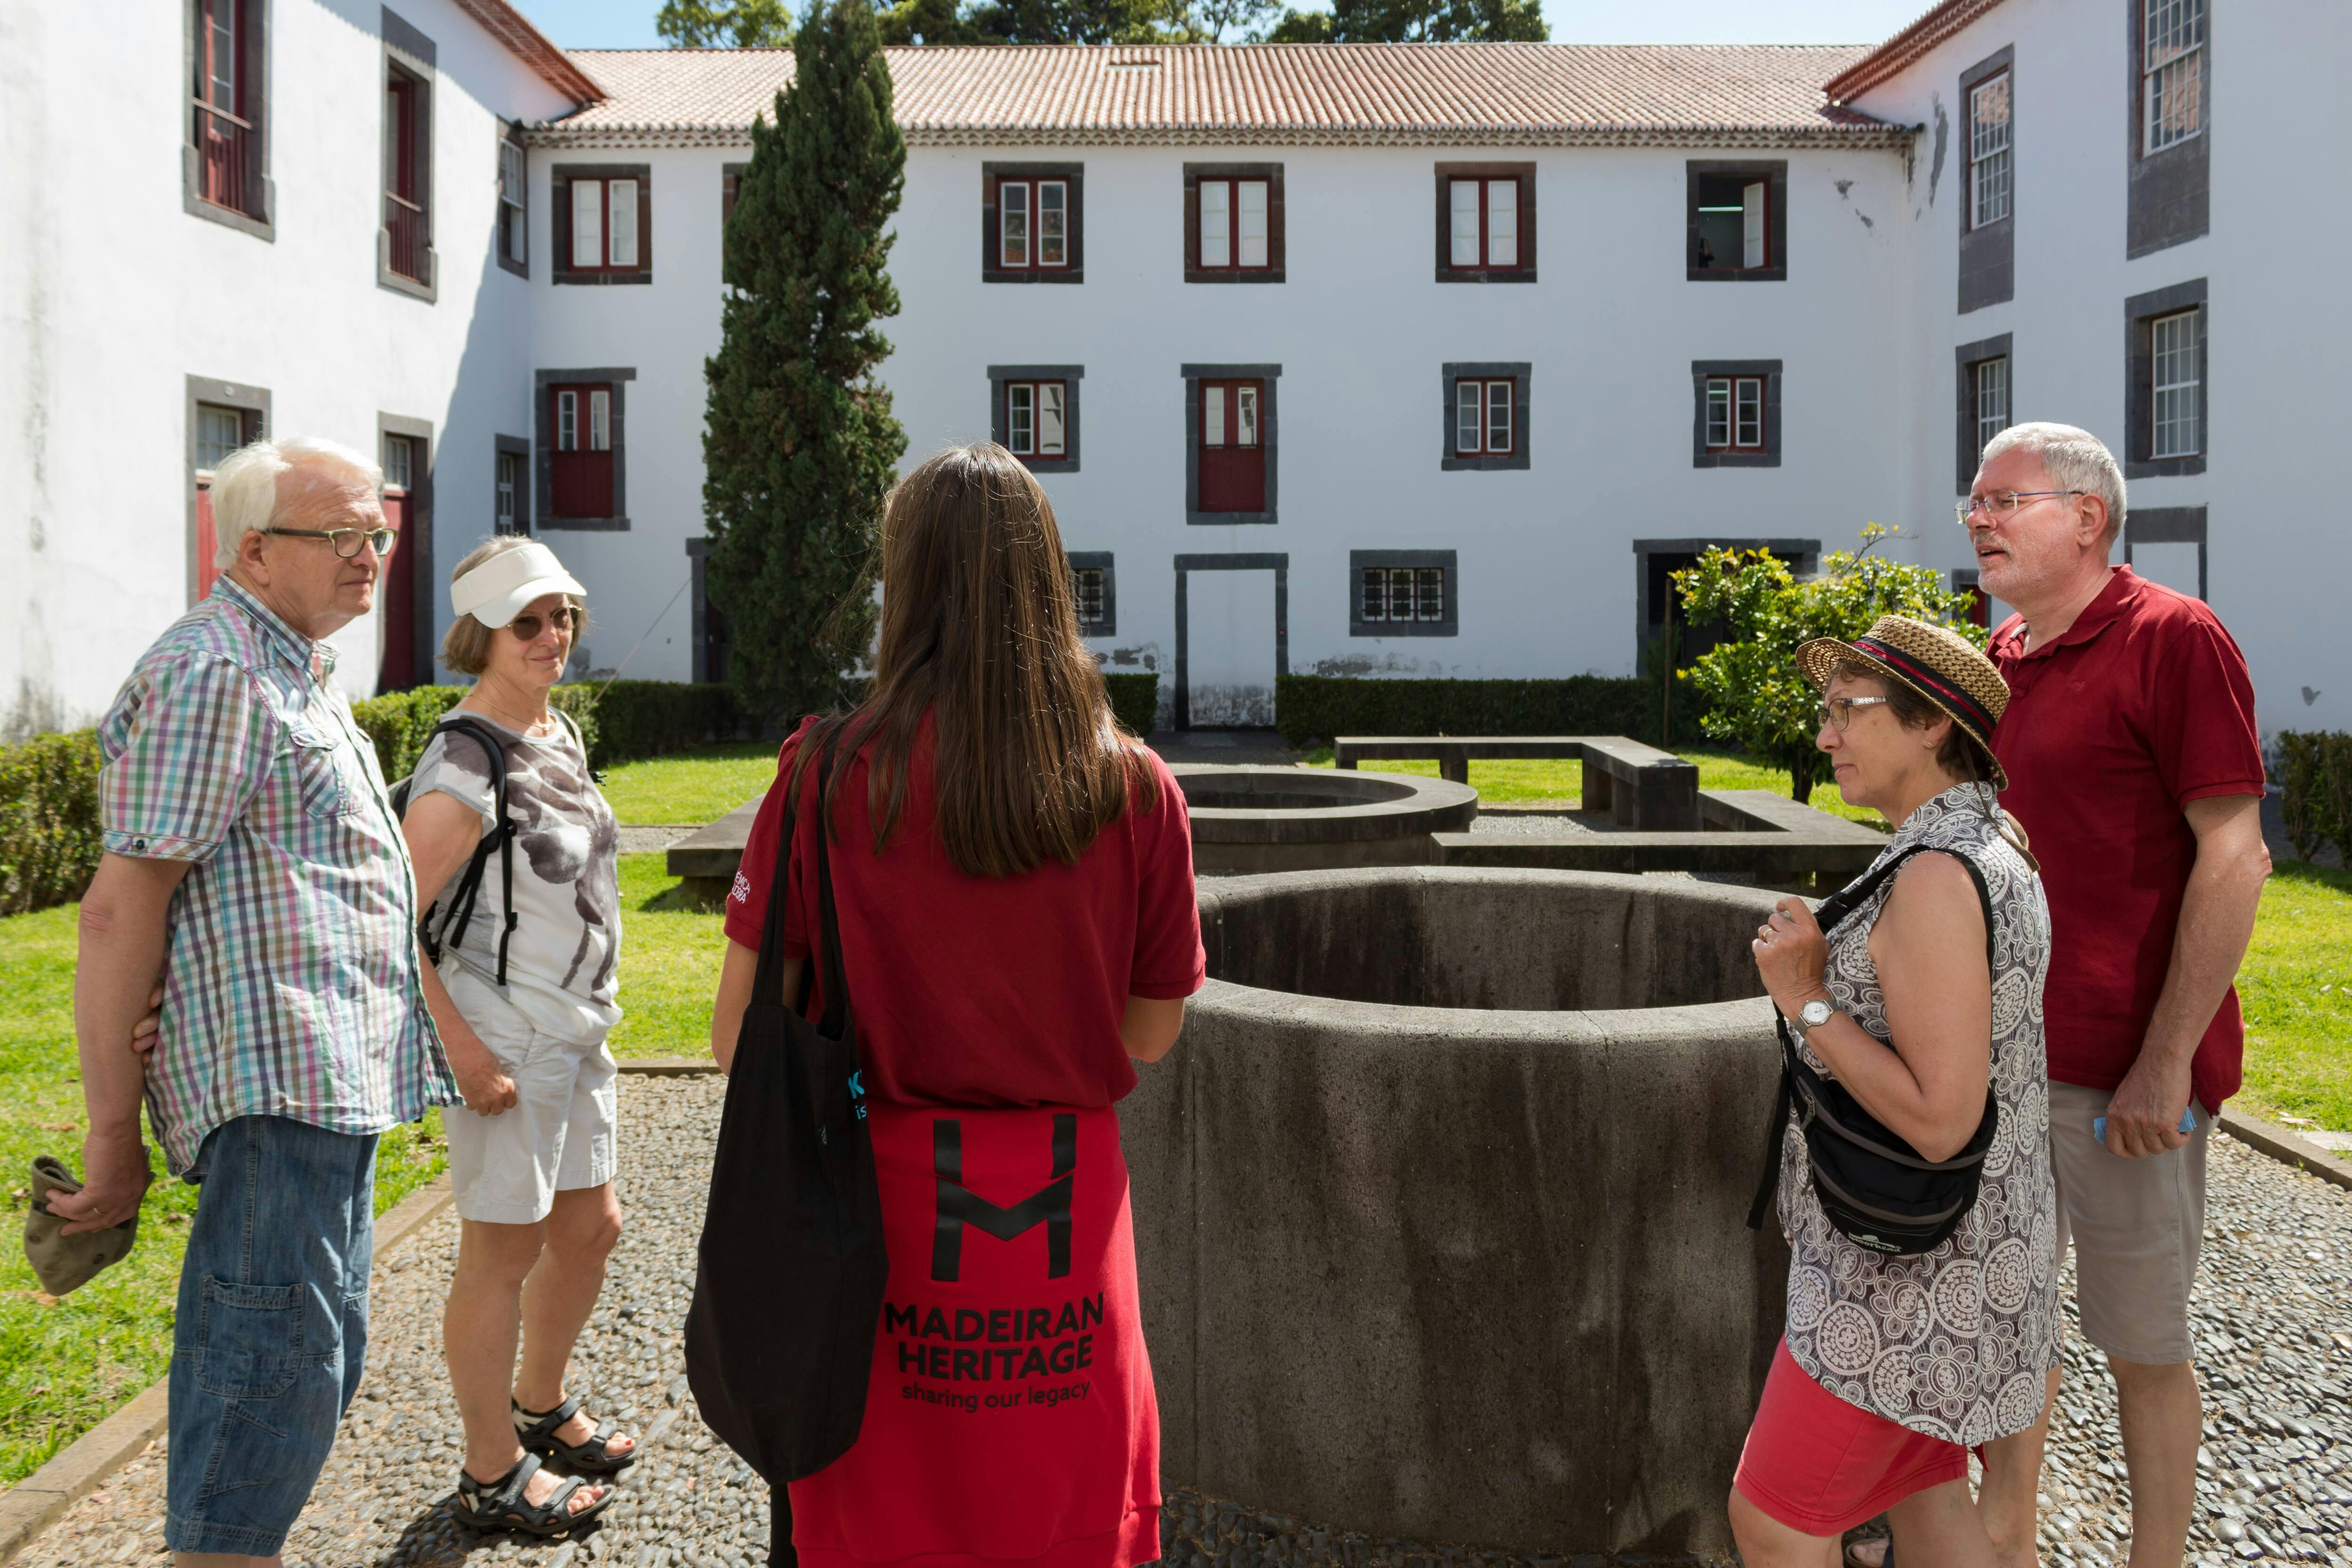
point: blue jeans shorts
(272, 1328)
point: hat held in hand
(66, 1263)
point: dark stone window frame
(416, 537)
(991, 272)
(510, 135)
(708, 630)
(1276, 561)
(512, 447)
(1701, 370)
(543, 431)
(259, 214)
(999, 426)
(1987, 254)
(559, 223)
(1802, 555)
(1968, 454)
(2168, 196)
(1448, 561)
(1518, 373)
(1525, 272)
(253, 403)
(2139, 380)
(1097, 561)
(1276, 225)
(408, 50)
(1775, 171)
(2167, 525)
(1270, 424)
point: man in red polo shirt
(2136, 768)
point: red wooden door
(1233, 446)
(207, 542)
(581, 481)
(396, 601)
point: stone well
(1439, 1206)
(1252, 819)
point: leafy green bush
(400, 722)
(625, 720)
(2314, 776)
(49, 838)
(1135, 699)
(1324, 707)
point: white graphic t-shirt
(567, 894)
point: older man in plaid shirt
(253, 858)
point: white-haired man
(252, 858)
(2134, 765)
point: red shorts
(1822, 1466)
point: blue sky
(629, 24)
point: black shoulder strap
(768, 982)
(469, 884)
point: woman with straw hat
(1894, 1364)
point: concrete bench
(1641, 787)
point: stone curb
(33, 1504)
(666, 1067)
(2285, 1148)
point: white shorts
(558, 1133)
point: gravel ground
(2275, 1316)
(639, 839)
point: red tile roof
(1911, 44)
(511, 28)
(1407, 94)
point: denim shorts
(272, 1328)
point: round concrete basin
(1439, 1206)
(1248, 819)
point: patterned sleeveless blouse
(1953, 1343)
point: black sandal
(503, 1504)
(535, 1430)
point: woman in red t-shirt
(1014, 878)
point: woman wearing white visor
(523, 1005)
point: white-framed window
(1991, 399)
(603, 226)
(1242, 429)
(567, 420)
(1485, 222)
(1234, 232)
(399, 463)
(219, 432)
(2172, 73)
(600, 420)
(509, 488)
(599, 424)
(1482, 417)
(1086, 584)
(1394, 593)
(1734, 412)
(2172, 342)
(513, 231)
(1734, 220)
(1032, 223)
(1989, 179)
(1035, 421)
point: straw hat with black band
(1933, 661)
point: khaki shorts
(2137, 1227)
(558, 1133)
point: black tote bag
(791, 1267)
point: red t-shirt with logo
(983, 991)
(2142, 706)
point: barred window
(1087, 581)
(2172, 73)
(1992, 399)
(1988, 152)
(219, 432)
(2173, 342)
(1393, 593)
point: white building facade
(1363, 360)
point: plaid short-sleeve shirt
(291, 987)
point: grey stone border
(1099, 561)
(1276, 561)
(1276, 228)
(543, 419)
(2168, 194)
(2167, 525)
(1987, 254)
(698, 550)
(2139, 380)
(990, 270)
(999, 426)
(1520, 372)
(412, 51)
(262, 191)
(251, 400)
(559, 224)
(1269, 436)
(512, 447)
(1447, 625)
(1965, 360)
(1805, 552)
(1523, 273)
(1769, 369)
(1776, 219)
(418, 545)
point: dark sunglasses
(527, 627)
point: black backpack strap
(470, 883)
(1775, 1137)
(768, 982)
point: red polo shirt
(2143, 706)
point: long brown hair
(979, 629)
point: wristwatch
(1814, 1014)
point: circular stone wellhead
(1440, 1207)
(1248, 819)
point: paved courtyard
(2275, 1329)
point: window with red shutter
(581, 463)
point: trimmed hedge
(1135, 699)
(400, 722)
(48, 820)
(2315, 775)
(1319, 707)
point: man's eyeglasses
(1838, 712)
(525, 627)
(2001, 505)
(346, 541)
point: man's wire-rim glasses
(346, 541)
(1837, 712)
(2003, 504)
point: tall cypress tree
(799, 443)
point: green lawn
(1505, 782)
(670, 950)
(2296, 989)
(694, 787)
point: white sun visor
(494, 592)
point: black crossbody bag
(792, 1264)
(1874, 1187)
